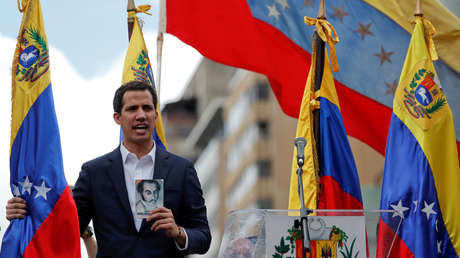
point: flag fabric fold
(269, 37)
(331, 180)
(51, 227)
(421, 173)
(137, 66)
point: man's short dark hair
(132, 86)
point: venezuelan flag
(421, 174)
(138, 67)
(50, 228)
(335, 169)
(269, 37)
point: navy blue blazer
(100, 194)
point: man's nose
(141, 115)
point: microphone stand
(303, 223)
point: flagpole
(159, 55)
(160, 38)
(318, 45)
(418, 8)
(321, 10)
(131, 7)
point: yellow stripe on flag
(30, 70)
(447, 38)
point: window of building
(261, 91)
(264, 167)
(265, 203)
(264, 128)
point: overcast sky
(88, 42)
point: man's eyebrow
(131, 107)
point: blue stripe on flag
(157, 140)
(35, 154)
(336, 159)
(408, 178)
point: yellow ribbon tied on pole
(327, 33)
(24, 5)
(139, 9)
(429, 32)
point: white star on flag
(16, 191)
(428, 210)
(399, 209)
(439, 246)
(272, 11)
(42, 190)
(26, 186)
(283, 3)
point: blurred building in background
(229, 123)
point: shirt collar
(125, 153)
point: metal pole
(159, 55)
(418, 8)
(303, 213)
(321, 10)
(131, 7)
(160, 39)
(318, 46)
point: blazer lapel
(117, 176)
(160, 171)
(161, 168)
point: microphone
(300, 143)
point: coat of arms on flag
(33, 57)
(422, 96)
(142, 71)
(330, 237)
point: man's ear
(116, 118)
(156, 116)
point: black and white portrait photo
(149, 195)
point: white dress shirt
(135, 169)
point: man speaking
(105, 189)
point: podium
(258, 233)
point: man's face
(150, 192)
(137, 118)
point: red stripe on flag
(399, 248)
(332, 196)
(59, 235)
(458, 151)
(365, 119)
(237, 39)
